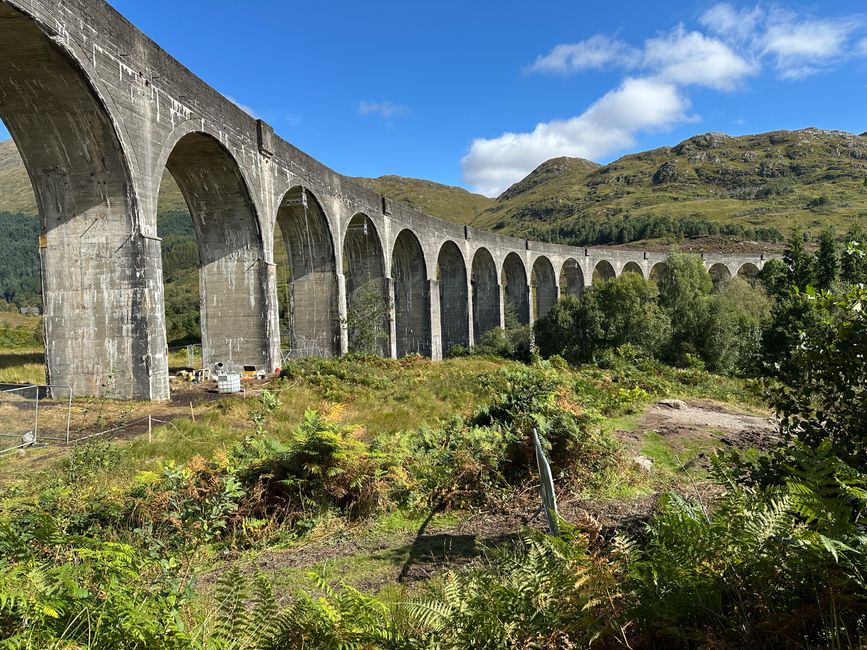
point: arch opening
(454, 298)
(517, 293)
(486, 294)
(571, 279)
(603, 271)
(307, 287)
(657, 271)
(632, 267)
(544, 286)
(232, 273)
(411, 296)
(101, 325)
(367, 299)
(720, 274)
(749, 272)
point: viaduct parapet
(99, 112)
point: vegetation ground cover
(408, 487)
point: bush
(513, 343)
(527, 398)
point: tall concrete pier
(99, 112)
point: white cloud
(737, 24)
(607, 126)
(798, 45)
(804, 46)
(737, 44)
(689, 58)
(385, 109)
(247, 109)
(595, 53)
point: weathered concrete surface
(99, 111)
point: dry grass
(22, 366)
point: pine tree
(800, 264)
(827, 264)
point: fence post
(150, 430)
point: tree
(827, 265)
(799, 263)
(774, 276)
(853, 263)
(684, 291)
(367, 320)
(738, 315)
(631, 313)
(572, 328)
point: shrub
(528, 397)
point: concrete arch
(515, 288)
(632, 267)
(544, 286)
(100, 278)
(182, 131)
(232, 280)
(749, 272)
(367, 295)
(603, 271)
(571, 279)
(454, 298)
(486, 294)
(720, 273)
(307, 286)
(411, 296)
(657, 271)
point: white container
(229, 383)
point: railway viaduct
(99, 111)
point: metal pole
(36, 417)
(68, 413)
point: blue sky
(479, 93)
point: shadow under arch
(749, 272)
(719, 273)
(232, 272)
(632, 267)
(486, 294)
(100, 277)
(307, 287)
(571, 279)
(544, 286)
(367, 295)
(603, 271)
(517, 293)
(657, 271)
(454, 298)
(411, 296)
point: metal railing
(35, 413)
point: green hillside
(443, 201)
(754, 186)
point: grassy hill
(756, 183)
(443, 201)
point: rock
(643, 462)
(668, 173)
(678, 404)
